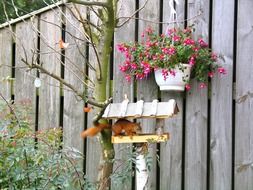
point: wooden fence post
(221, 98)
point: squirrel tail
(93, 131)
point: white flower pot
(176, 82)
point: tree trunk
(106, 167)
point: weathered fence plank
(93, 148)
(221, 98)
(5, 62)
(147, 89)
(196, 112)
(49, 94)
(244, 100)
(196, 107)
(73, 115)
(121, 87)
(26, 46)
(171, 152)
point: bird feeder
(141, 109)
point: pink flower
(189, 41)
(127, 63)
(171, 31)
(173, 73)
(134, 66)
(149, 44)
(133, 48)
(202, 85)
(147, 70)
(169, 51)
(176, 38)
(195, 49)
(123, 68)
(140, 76)
(154, 57)
(172, 51)
(165, 73)
(156, 68)
(221, 70)
(147, 54)
(144, 64)
(146, 67)
(211, 74)
(165, 50)
(127, 55)
(202, 43)
(128, 78)
(142, 34)
(149, 30)
(214, 57)
(161, 57)
(192, 61)
(121, 48)
(187, 30)
(187, 87)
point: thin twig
(39, 33)
(65, 16)
(130, 17)
(101, 112)
(81, 19)
(91, 39)
(96, 52)
(61, 80)
(11, 109)
(73, 165)
(155, 22)
(89, 3)
(19, 124)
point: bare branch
(89, 3)
(43, 39)
(96, 52)
(95, 12)
(87, 27)
(101, 112)
(20, 126)
(130, 17)
(61, 80)
(146, 20)
(63, 14)
(81, 19)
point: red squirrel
(125, 127)
(92, 131)
(121, 127)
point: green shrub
(35, 160)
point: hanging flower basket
(166, 52)
(175, 81)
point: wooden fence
(211, 145)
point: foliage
(124, 170)
(36, 160)
(168, 51)
(20, 7)
(30, 160)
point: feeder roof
(141, 109)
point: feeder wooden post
(159, 127)
(141, 167)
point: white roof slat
(141, 109)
